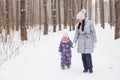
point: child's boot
(62, 68)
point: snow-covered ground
(40, 60)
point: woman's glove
(95, 44)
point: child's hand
(74, 44)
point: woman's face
(79, 20)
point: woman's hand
(95, 44)
(74, 45)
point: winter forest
(34, 24)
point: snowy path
(41, 62)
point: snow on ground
(41, 61)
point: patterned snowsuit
(65, 49)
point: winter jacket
(86, 38)
(65, 47)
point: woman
(86, 36)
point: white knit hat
(81, 14)
(65, 34)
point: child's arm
(92, 29)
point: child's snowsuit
(65, 49)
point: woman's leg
(89, 62)
(84, 62)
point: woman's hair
(83, 24)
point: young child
(65, 51)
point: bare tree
(53, 6)
(7, 17)
(1, 16)
(0, 22)
(65, 13)
(96, 11)
(11, 14)
(27, 12)
(101, 2)
(106, 12)
(73, 14)
(39, 14)
(89, 3)
(23, 20)
(112, 12)
(17, 14)
(117, 21)
(110, 9)
(59, 14)
(45, 17)
(84, 4)
(70, 14)
(79, 5)
(31, 13)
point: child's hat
(65, 34)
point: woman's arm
(76, 36)
(92, 30)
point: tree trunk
(17, 14)
(70, 14)
(0, 24)
(65, 13)
(113, 12)
(23, 20)
(89, 9)
(31, 13)
(79, 5)
(59, 14)
(53, 4)
(11, 14)
(96, 11)
(7, 17)
(84, 4)
(101, 12)
(39, 14)
(111, 9)
(0, 19)
(45, 17)
(117, 21)
(3, 11)
(1, 16)
(73, 14)
(27, 13)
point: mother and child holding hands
(85, 38)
